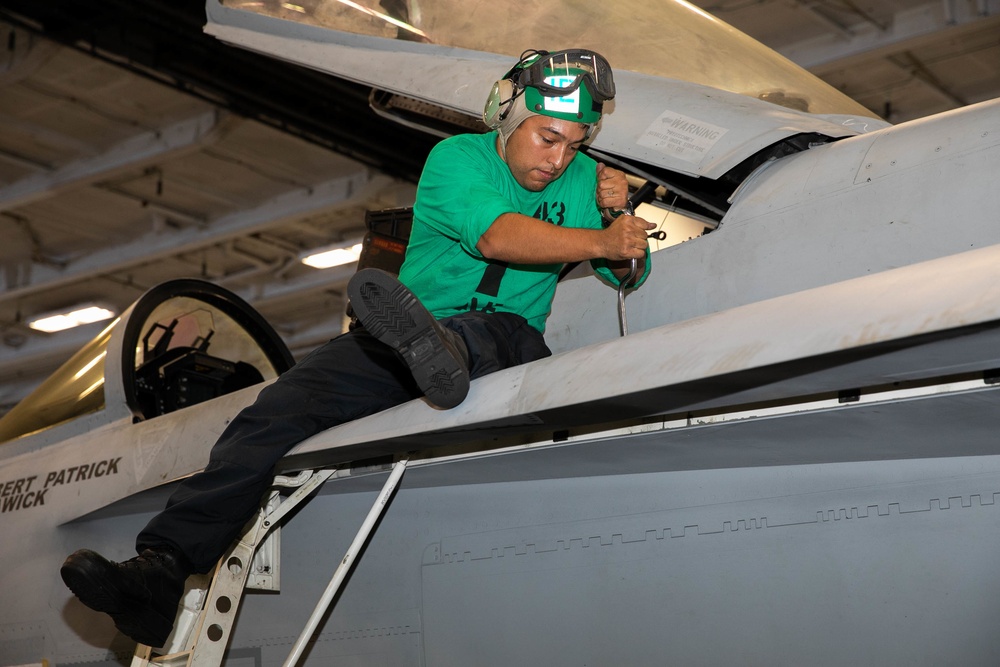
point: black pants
(351, 376)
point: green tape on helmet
(574, 105)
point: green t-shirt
(464, 187)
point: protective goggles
(560, 73)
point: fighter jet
(790, 458)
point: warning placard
(681, 136)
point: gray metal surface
(875, 330)
(560, 559)
(827, 545)
(853, 208)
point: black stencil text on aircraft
(25, 492)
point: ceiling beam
(140, 150)
(907, 30)
(25, 53)
(355, 188)
(918, 70)
(164, 41)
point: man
(495, 219)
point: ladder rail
(347, 562)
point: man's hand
(612, 188)
(626, 238)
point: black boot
(141, 595)
(437, 357)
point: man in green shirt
(496, 217)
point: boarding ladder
(208, 609)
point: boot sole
(88, 580)
(391, 313)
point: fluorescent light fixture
(336, 255)
(52, 322)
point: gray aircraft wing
(878, 335)
(697, 102)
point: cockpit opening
(176, 376)
(182, 343)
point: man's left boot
(437, 357)
(141, 594)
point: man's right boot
(436, 356)
(141, 595)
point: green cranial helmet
(569, 85)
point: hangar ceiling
(135, 149)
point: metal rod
(633, 266)
(622, 321)
(345, 565)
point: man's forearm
(519, 239)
